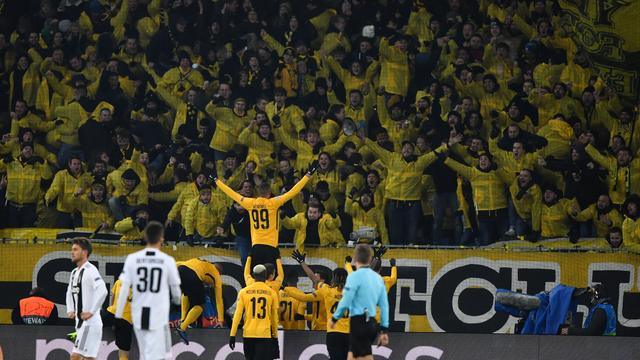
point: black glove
(232, 342)
(379, 252)
(299, 257)
(333, 214)
(213, 175)
(140, 223)
(59, 122)
(494, 114)
(353, 192)
(392, 262)
(348, 259)
(441, 155)
(313, 167)
(276, 121)
(275, 348)
(8, 159)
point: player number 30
(150, 279)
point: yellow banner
(608, 31)
(437, 290)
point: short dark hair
(362, 254)
(153, 232)
(84, 244)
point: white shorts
(88, 340)
(154, 344)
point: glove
(8, 159)
(140, 223)
(299, 257)
(213, 174)
(232, 342)
(276, 121)
(348, 259)
(379, 252)
(494, 114)
(441, 155)
(333, 214)
(353, 192)
(313, 167)
(392, 262)
(59, 122)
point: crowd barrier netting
(438, 290)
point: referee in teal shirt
(363, 291)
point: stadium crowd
(433, 122)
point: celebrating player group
(351, 306)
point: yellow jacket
(179, 81)
(328, 229)
(203, 219)
(623, 181)
(93, 214)
(602, 228)
(178, 211)
(559, 135)
(428, 195)
(394, 72)
(529, 205)
(63, 188)
(631, 233)
(397, 133)
(181, 109)
(373, 218)
(30, 80)
(228, 126)
(497, 100)
(23, 180)
(128, 230)
(115, 290)
(548, 105)
(306, 153)
(555, 219)
(403, 178)
(32, 121)
(291, 117)
(488, 186)
(259, 148)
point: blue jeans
(492, 224)
(118, 209)
(523, 227)
(442, 203)
(404, 217)
(243, 245)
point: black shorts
(337, 345)
(124, 334)
(123, 330)
(191, 286)
(258, 348)
(362, 334)
(263, 254)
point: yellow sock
(192, 316)
(123, 357)
(184, 307)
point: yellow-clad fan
(203, 217)
(338, 336)
(194, 275)
(67, 185)
(259, 304)
(264, 217)
(132, 227)
(124, 325)
(93, 207)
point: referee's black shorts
(337, 345)
(362, 334)
(263, 254)
(258, 348)
(191, 286)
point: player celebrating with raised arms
(264, 217)
(85, 294)
(155, 281)
(259, 305)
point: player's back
(151, 274)
(332, 296)
(260, 310)
(265, 220)
(127, 308)
(288, 309)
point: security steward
(35, 309)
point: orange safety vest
(35, 310)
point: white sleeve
(70, 304)
(125, 285)
(100, 292)
(174, 281)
